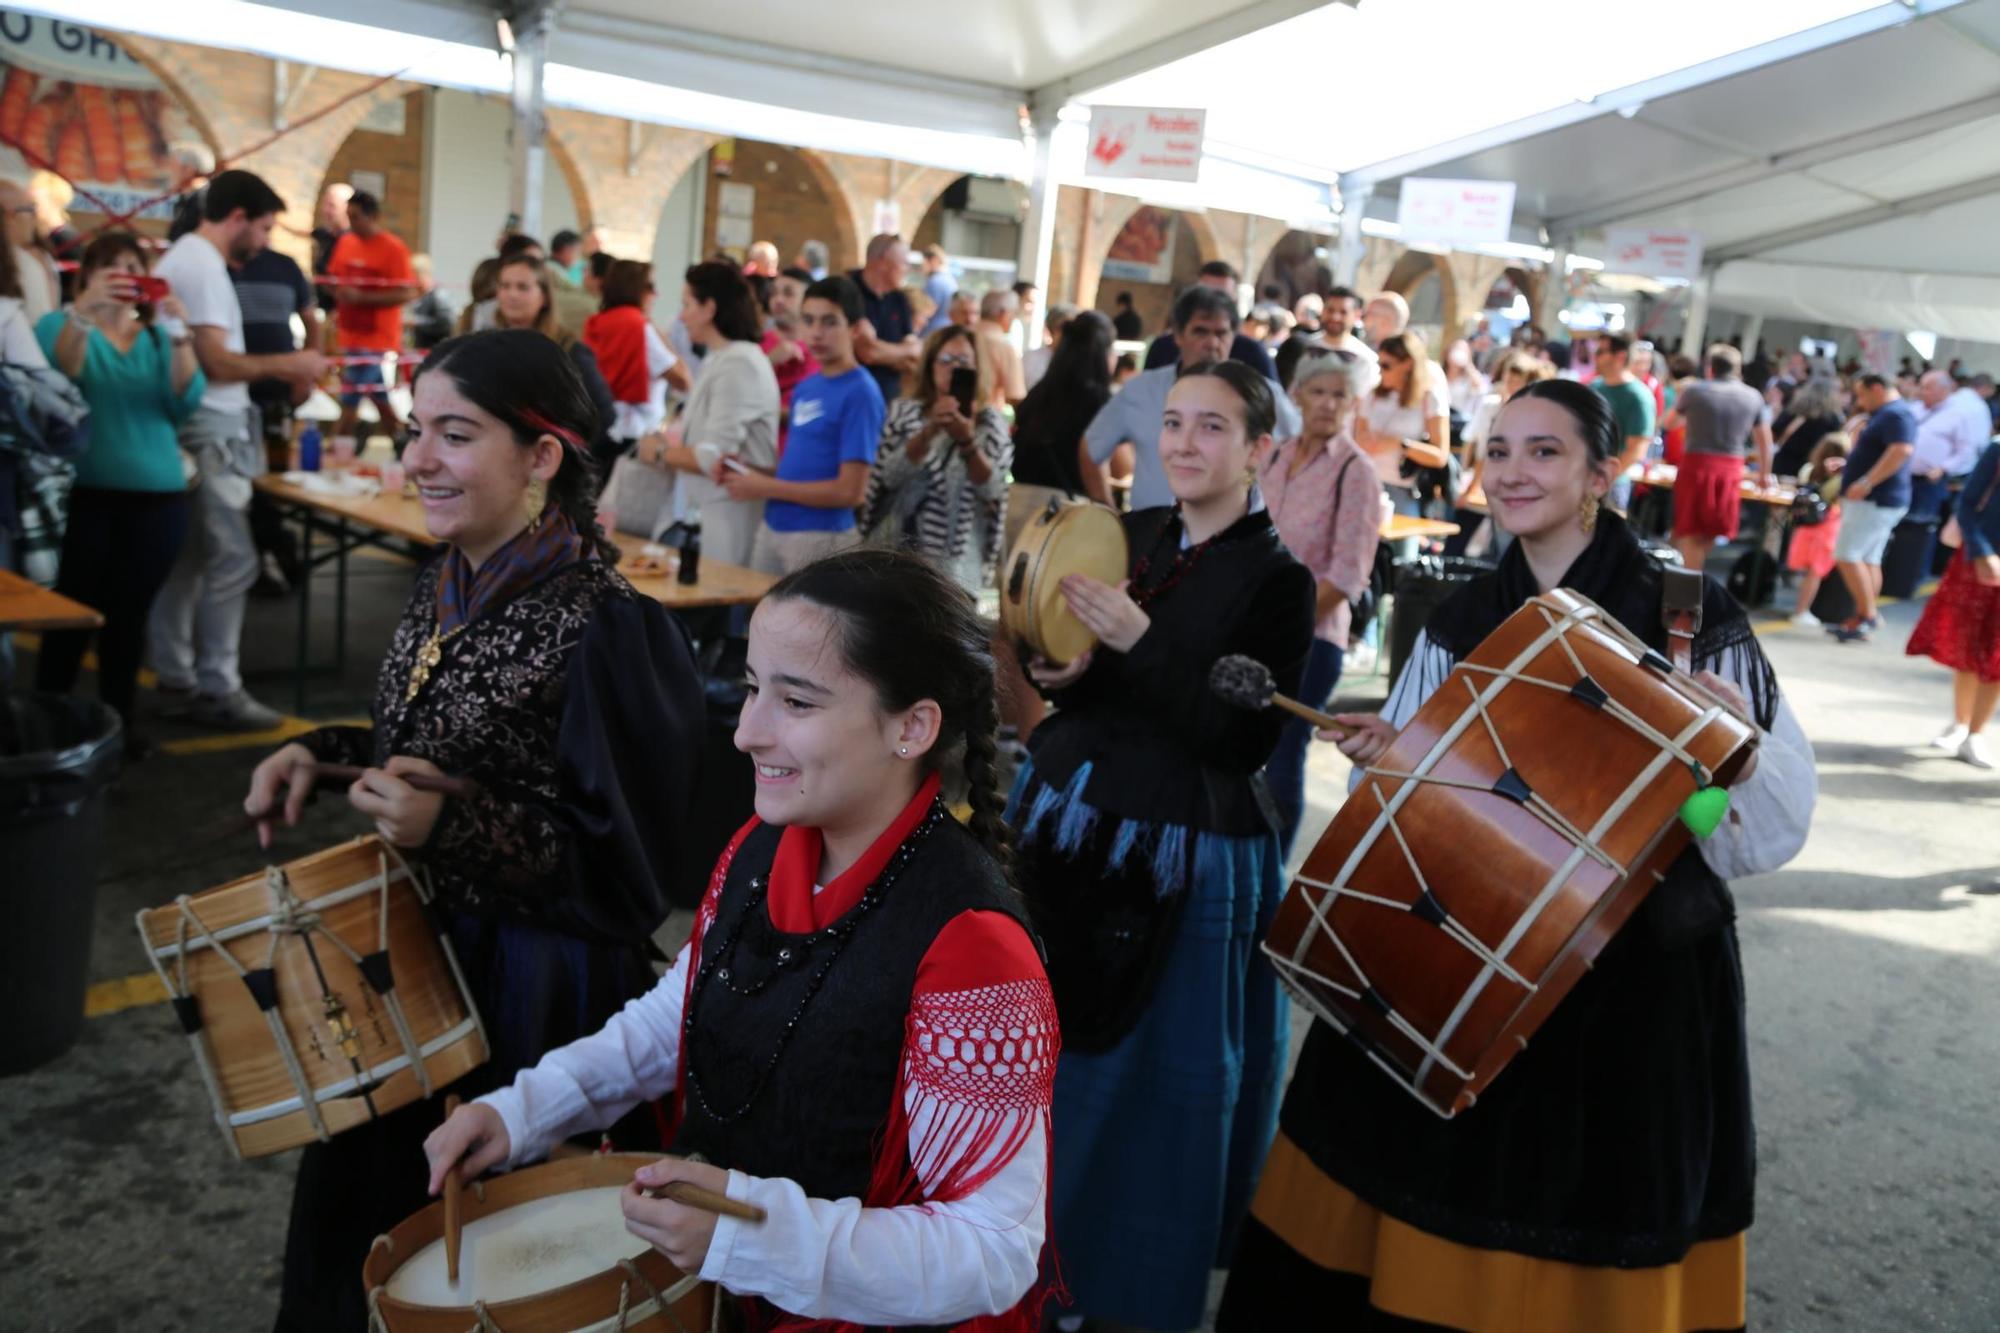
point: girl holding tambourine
(1149, 856)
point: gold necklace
(428, 657)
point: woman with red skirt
(1960, 627)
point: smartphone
(150, 290)
(735, 465)
(964, 384)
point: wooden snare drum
(1067, 537)
(315, 995)
(1487, 857)
(544, 1250)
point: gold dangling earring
(538, 499)
(1586, 512)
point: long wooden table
(396, 523)
(1397, 527)
(28, 605)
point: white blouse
(929, 1263)
(1770, 812)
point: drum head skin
(1070, 537)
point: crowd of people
(873, 442)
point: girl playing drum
(1605, 1180)
(859, 1036)
(525, 663)
(1150, 858)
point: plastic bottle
(690, 571)
(309, 449)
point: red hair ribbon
(548, 427)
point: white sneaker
(1361, 659)
(1806, 620)
(1951, 738)
(1974, 752)
(235, 712)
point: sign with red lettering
(1147, 142)
(1449, 212)
(1653, 252)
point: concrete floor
(1873, 964)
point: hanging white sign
(1653, 252)
(1454, 212)
(1154, 143)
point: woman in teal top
(128, 515)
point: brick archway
(1409, 274)
(617, 190)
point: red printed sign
(1149, 142)
(1653, 253)
(1451, 212)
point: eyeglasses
(956, 359)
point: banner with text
(1152, 143)
(1450, 212)
(1651, 253)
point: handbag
(1809, 508)
(1363, 608)
(641, 495)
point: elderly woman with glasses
(1324, 496)
(939, 484)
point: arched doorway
(766, 192)
(977, 219)
(1154, 254)
(1425, 281)
(1301, 262)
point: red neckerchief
(795, 908)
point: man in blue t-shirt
(1874, 496)
(835, 422)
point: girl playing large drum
(525, 663)
(859, 1036)
(1604, 1181)
(1150, 857)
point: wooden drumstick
(453, 1187)
(1248, 683)
(332, 775)
(691, 1195)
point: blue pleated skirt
(1159, 1140)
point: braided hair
(912, 633)
(530, 384)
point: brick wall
(792, 204)
(399, 159)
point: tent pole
(1555, 289)
(530, 129)
(1353, 205)
(1038, 230)
(1695, 329)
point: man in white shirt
(1204, 327)
(38, 281)
(1036, 363)
(197, 621)
(1953, 429)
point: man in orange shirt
(368, 314)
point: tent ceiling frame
(1757, 246)
(1755, 170)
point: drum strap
(1680, 612)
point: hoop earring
(1586, 513)
(537, 500)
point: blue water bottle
(309, 449)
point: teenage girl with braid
(525, 663)
(1149, 854)
(859, 1037)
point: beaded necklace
(1184, 561)
(718, 966)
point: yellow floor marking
(247, 740)
(133, 992)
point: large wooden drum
(544, 1250)
(1487, 857)
(315, 995)
(1067, 537)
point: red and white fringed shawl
(979, 1051)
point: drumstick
(328, 775)
(694, 1196)
(1247, 683)
(452, 1189)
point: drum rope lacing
(656, 1302)
(1427, 906)
(286, 918)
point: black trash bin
(57, 756)
(1908, 558)
(1422, 585)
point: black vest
(816, 1115)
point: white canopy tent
(1853, 181)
